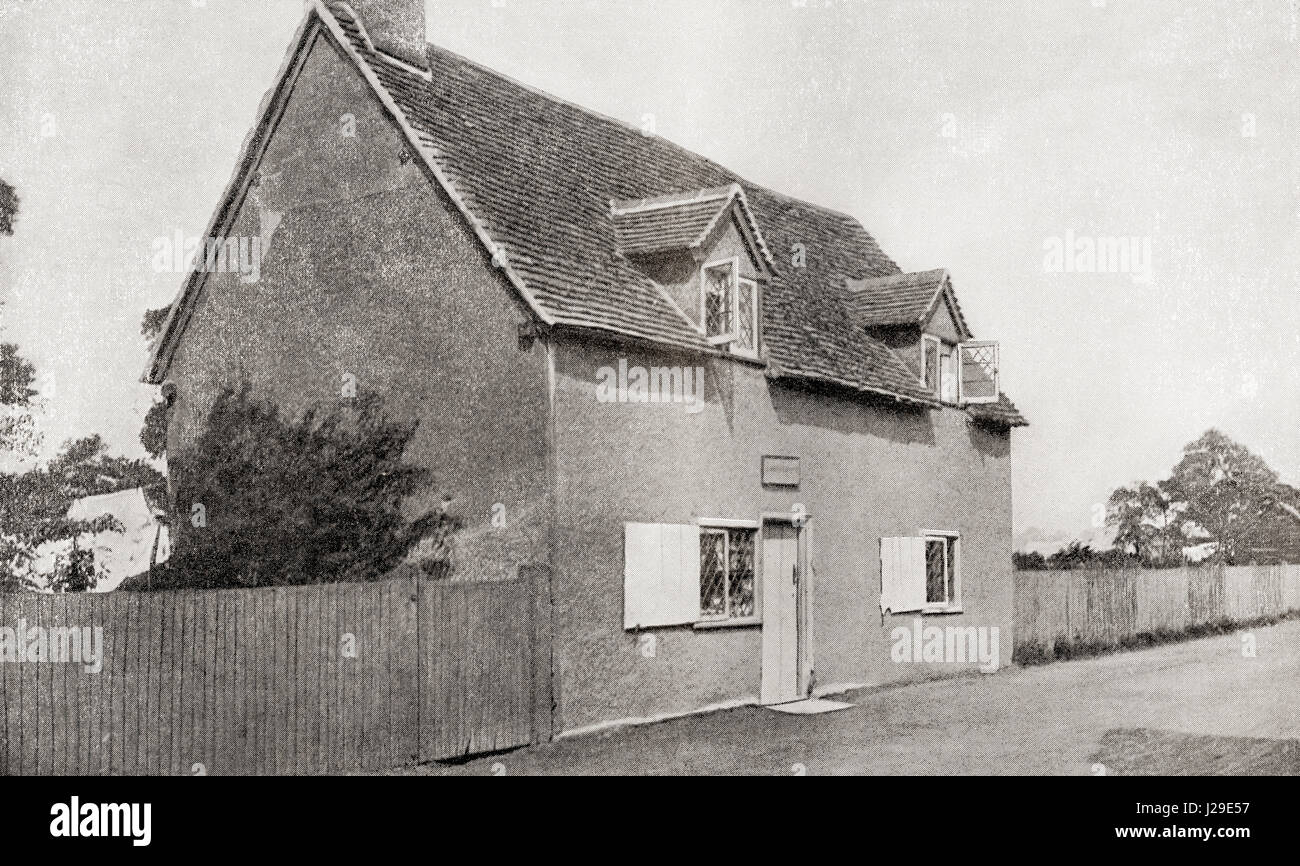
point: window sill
(754, 360)
(746, 622)
(935, 611)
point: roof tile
(540, 175)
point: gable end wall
(368, 269)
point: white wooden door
(781, 578)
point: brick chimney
(395, 27)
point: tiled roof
(540, 174)
(1001, 414)
(900, 299)
(674, 227)
(539, 180)
(680, 222)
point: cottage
(483, 254)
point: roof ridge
(334, 5)
(430, 153)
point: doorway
(784, 585)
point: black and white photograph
(444, 388)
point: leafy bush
(1031, 561)
(261, 501)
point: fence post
(538, 577)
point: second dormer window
(730, 308)
(962, 372)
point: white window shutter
(641, 544)
(680, 575)
(914, 573)
(661, 574)
(890, 584)
(902, 574)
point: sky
(979, 137)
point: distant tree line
(1219, 494)
(1076, 554)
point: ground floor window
(941, 570)
(726, 573)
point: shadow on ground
(1144, 752)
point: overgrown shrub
(263, 501)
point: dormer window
(705, 250)
(960, 372)
(729, 307)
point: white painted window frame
(724, 621)
(736, 348)
(731, 339)
(938, 361)
(734, 264)
(950, 537)
(956, 373)
(997, 370)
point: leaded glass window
(726, 573)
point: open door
(783, 580)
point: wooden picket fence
(1103, 607)
(308, 679)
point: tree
(1288, 500)
(34, 503)
(151, 324)
(34, 511)
(1076, 554)
(8, 208)
(1030, 561)
(153, 434)
(83, 468)
(1146, 522)
(263, 501)
(19, 437)
(16, 438)
(75, 570)
(1226, 490)
(16, 377)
